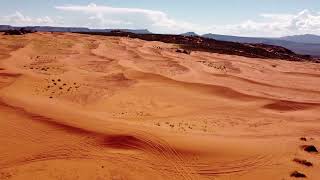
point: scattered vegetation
(217, 66)
(185, 126)
(57, 88)
(157, 47)
(214, 46)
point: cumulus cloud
(98, 16)
(107, 16)
(276, 25)
(158, 21)
(19, 19)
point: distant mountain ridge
(300, 44)
(306, 38)
(69, 29)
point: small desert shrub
(303, 139)
(310, 148)
(303, 162)
(298, 174)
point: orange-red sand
(92, 107)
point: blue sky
(236, 17)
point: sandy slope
(89, 107)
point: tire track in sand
(138, 140)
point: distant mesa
(190, 34)
(4, 28)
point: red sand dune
(92, 107)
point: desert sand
(92, 107)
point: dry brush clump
(20, 31)
(183, 51)
(297, 174)
(303, 139)
(303, 162)
(310, 148)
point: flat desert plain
(94, 107)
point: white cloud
(21, 20)
(158, 21)
(111, 17)
(276, 25)
(96, 16)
